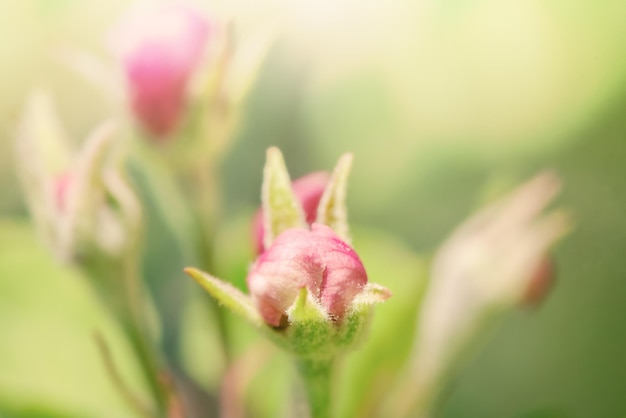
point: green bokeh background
(443, 103)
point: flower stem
(119, 287)
(114, 374)
(317, 376)
(136, 329)
(207, 202)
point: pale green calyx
(309, 332)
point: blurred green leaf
(547, 412)
(48, 358)
(370, 372)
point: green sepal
(351, 329)
(332, 210)
(361, 309)
(79, 225)
(43, 152)
(44, 148)
(311, 338)
(281, 209)
(312, 334)
(310, 329)
(371, 294)
(228, 295)
(44, 157)
(305, 308)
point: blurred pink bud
(540, 283)
(61, 189)
(159, 50)
(308, 190)
(318, 260)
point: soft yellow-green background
(442, 103)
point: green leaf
(48, 358)
(370, 371)
(332, 210)
(281, 209)
(547, 412)
(228, 295)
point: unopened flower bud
(159, 50)
(318, 260)
(308, 190)
(540, 283)
(309, 291)
(79, 199)
(495, 260)
(60, 189)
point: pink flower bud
(160, 49)
(60, 189)
(308, 190)
(540, 283)
(318, 260)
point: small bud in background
(43, 157)
(61, 185)
(160, 50)
(308, 191)
(79, 200)
(318, 260)
(495, 260)
(498, 252)
(540, 283)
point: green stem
(136, 403)
(134, 297)
(206, 197)
(317, 376)
(137, 331)
(119, 287)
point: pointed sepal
(351, 329)
(228, 295)
(43, 152)
(84, 199)
(305, 308)
(372, 294)
(332, 210)
(43, 145)
(281, 209)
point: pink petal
(318, 260)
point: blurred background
(443, 104)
